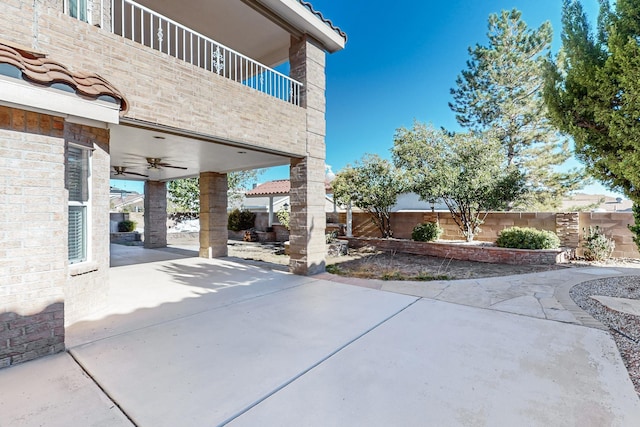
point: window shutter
(77, 174)
(77, 226)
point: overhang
(301, 15)
(28, 80)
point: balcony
(143, 25)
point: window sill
(82, 268)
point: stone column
(308, 219)
(568, 229)
(213, 215)
(155, 214)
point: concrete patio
(195, 342)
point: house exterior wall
(155, 83)
(39, 291)
(33, 245)
(87, 284)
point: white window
(78, 9)
(78, 175)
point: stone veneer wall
(567, 225)
(155, 214)
(307, 195)
(213, 214)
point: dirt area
(371, 264)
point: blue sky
(399, 64)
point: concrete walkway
(193, 342)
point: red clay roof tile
(38, 69)
(279, 187)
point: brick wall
(308, 218)
(568, 226)
(155, 214)
(154, 83)
(33, 227)
(87, 286)
(466, 252)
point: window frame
(85, 205)
(79, 10)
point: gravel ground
(624, 328)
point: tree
(185, 193)
(501, 92)
(592, 90)
(466, 171)
(372, 185)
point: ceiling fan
(157, 163)
(122, 170)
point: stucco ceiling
(130, 146)
(232, 23)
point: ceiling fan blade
(173, 167)
(136, 173)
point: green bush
(283, 217)
(597, 247)
(527, 238)
(126, 226)
(241, 220)
(426, 232)
(635, 228)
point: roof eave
(306, 22)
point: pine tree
(500, 92)
(593, 93)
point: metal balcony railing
(142, 25)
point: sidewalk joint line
(315, 365)
(111, 398)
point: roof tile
(38, 69)
(323, 19)
(279, 187)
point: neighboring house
(408, 202)
(125, 201)
(595, 203)
(92, 90)
(274, 195)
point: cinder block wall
(33, 235)
(614, 225)
(568, 226)
(154, 83)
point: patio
(191, 341)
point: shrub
(635, 228)
(597, 247)
(241, 220)
(126, 226)
(527, 238)
(426, 232)
(283, 217)
(331, 237)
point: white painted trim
(17, 93)
(300, 17)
